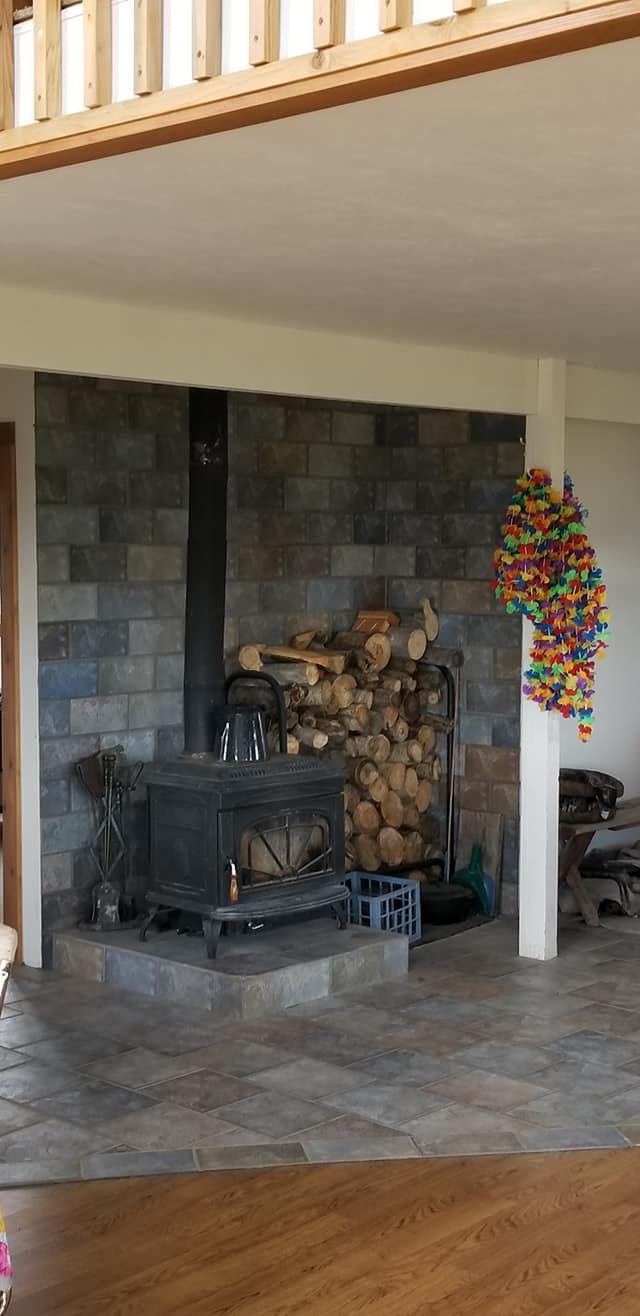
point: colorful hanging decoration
(547, 571)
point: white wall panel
(176, 68)
(122, 47)
(362, 19)
(235, 36)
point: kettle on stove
(240, 731)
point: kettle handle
(279, 698)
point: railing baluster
(264, 35)
(6, 65)
(328, 23)
(96, 16)
(207, 39)
(465, 6)
(148, 47)
(47, 41)
(394, 13)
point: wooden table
(575, 839)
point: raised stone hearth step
(254, 975)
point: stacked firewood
(362, 695)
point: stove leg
(154, 910)
(340, 912)
(212, 927)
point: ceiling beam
(497, 36)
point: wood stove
(246, 842)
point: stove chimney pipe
(206, 565)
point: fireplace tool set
(108, 779)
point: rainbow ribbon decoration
(546, 569)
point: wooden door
(12, 867)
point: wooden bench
(575, 839)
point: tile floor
(476, 1051)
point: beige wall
(604, 462)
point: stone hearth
(253, 976)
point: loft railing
(61, 57)
(81, 79)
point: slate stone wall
(336, 507)
(112, 489)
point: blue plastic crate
(391, 904)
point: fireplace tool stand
(108, 779)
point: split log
(333, 662)
(364, 697)
(411, 708)
(390, 715)
(379, 648)
(400, 753)
(286, 674)
(365, 773)
(379, 748)
(411, 783)
(427, 737)
(366, 819)
(436, 770)
(315, 696)
(303, 640)
(413, 848)
(407, 683)
(348, 826)
(355, 725)
(343, 689)
(424, 796)
(400, 730)
(312, 737)
(414, 750)
(425, 770)
(430, 620)
(350, 854)
(334, 730)
(376, 619)
(410, 817)
(351, 797)
(375, 723)
(391, 683)
(395, 776)
(392, 809)
(391, 847)
(378, 790)
(405, 665)
(367, 853)
(407, 642)
(386, 698)
(350, 747)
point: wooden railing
(84, 78)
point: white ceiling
(499, 211)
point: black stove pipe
(204, 673)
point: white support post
(540, 731)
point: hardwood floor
(501, 1236)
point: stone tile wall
(112, 488)
(333, 508)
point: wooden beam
(96, 18)
(47, 46)
(207, 39)
(465, 6)
(497, 36)
(7, 75)
(328, 23)
(147, 46)
(264, 31)
(393, 14)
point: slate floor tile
(581, 1077)
(73, 1049)
(490, 1091)
(123, 1165)
(164, 1127)
(413, 1067)
(256, 1157)
(14, 1116)
(274, 1114)
(138, 1068)
(94, 1102)
(52, 1140)
(23, 1174)
(578, 1139)
(238, 1058)
(31, 1081)
(388, 1103)
(338, 1048)
(203, 1090)
(9, 1058)
(24, 1028)
(309, 1078)
(319, 1148)
(565, 1110)
(598, 1048)
(475, 1144)
(517, 1059)
(459, 1122)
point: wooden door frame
(9, 635)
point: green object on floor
(479, 882)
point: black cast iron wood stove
(236, 843)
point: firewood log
(356, 721)
(314, 697)
(348, 826)
(436, 771)
(364, 697)
(392, 809)
(351, 797)
(379, 748)
(424, 796)
(411, 708)
(390, 715)
(376, 619)
(365, 773)
(379, 648)
(391, 683)
(411, 783)
(350, 854)
(408, 642)
(286, 674)
(413, 848)
(303, 640)
(330, 697)
(350, 747)
(424, 770)
(414, 750)
(400, 730)
(343, 689)
(428, 679)
(400, 753)
(427, 737)
(391, 847)
(254, 653)
(311, 736)
(407, 683)
(405, 665)
(375, 723)
(367, 853)
(410, 817)
(366, 818)
(395, 774)
(378, 790)
(386, 699)
(430, 620)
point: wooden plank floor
(508, 1236)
